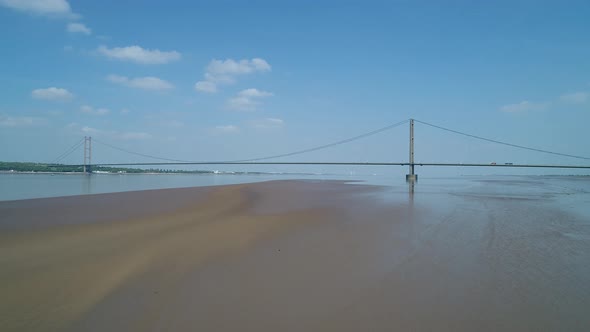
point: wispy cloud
(227, 129)
(205, 86)
(52, 93)
(576, 97)
(20, 121)
(139, 55)
(231, 67)
(90, 110)
(247, 100)
(78, 28)
(115, 135)
(221, 72)
(268, 123)
(147, 83)
(90, 130)
(524, 106)
(52, 8)
(254, 93)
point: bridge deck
(339, 164)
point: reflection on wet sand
(298, 255)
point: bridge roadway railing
(506, 165)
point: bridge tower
(87, 154)
(412, 177)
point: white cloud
(147, 83)
(242, 104)
(268, 123)
(205, 86)
(54, 8)
(102, 111)
(227, 129)
(260, 64)
(254, 93)
(247, 100)
(523, 106)
(20, 121)
(52, 93)
(78, 28)
(90, 110)
(576, 97)
(139, 55)
(219, 79)
(225, 72)
(86, 109)
(90, 130)
(231, 67)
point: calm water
(568, 193)
(24, 186)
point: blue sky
(210, 80)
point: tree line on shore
(60, 168)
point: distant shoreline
(157, 173)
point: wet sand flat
(292, 256)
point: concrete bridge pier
(412, 177)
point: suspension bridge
(88, 165)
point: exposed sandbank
(283, 256)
